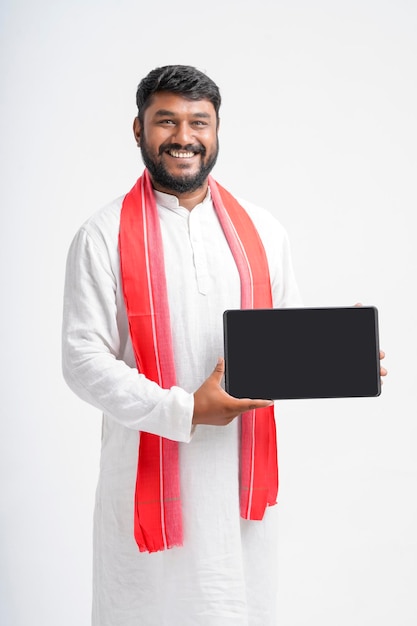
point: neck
(187, 200)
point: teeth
(181, 155)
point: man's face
(178, 141)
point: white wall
(318, 125)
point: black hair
(184, 80)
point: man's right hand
(213, 406)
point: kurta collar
(168, 201)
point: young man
(185, 528)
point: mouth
(182, 154)
(176, 151)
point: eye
(166, 122)
(199, 125)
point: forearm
(128, 397)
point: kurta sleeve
(93, 346)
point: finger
(383, 371)
(358, 304)
(257, 404)
(381, 355)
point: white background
(319, 126)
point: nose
(183, 133)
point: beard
(178, 184)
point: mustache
(189, 147)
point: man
(185, 528)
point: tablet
(296, 353)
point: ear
(136, 130)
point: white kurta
(225, 574)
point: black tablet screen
(302, 353)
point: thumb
(218, 370)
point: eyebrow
(167, 113)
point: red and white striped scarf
(158, 518)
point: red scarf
(158, 518)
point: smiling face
(178, 141)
